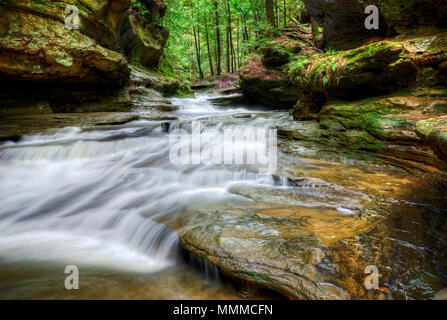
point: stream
(103, 199)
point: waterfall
(100, 196)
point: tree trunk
(197, 46)
(219, 48)
(285, 13)
(210, 58)
(270, 15)
(230, 40)
(238, 57)
(228, 49)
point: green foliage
(140, 7)
(297, 68)
(249, 27)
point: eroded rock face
(36, 45)
(141, 36)
(401, 15)
(343, 21)
(370, 70)
(375, 130)
(434, 132)
(69, 70)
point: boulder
(268, 86)
(370, 70)
(402, 15)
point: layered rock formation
(36, 44)
(74, 70)
(367, 99)
(434, 132)
(314, 241)
(141, 37)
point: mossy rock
(142, 39)
(36, 45)
(434, 132)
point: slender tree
(210, 58)
(218, 44)
(270, 15)
(197, 46)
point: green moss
(258, 278)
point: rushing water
(98, 198)
(95, 197)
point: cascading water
(98, 197)
(104, 198)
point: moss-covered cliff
(363, 100)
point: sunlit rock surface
(37, 45)
(434, 132)
(308, 249)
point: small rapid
(99, 197)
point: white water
(98, 197)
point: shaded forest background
(212, 37)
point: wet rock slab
(273, 248)
(314, 239)
(15, 126)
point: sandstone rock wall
(36, 45)
(341, 92)
(74, 70)
(343, 21)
